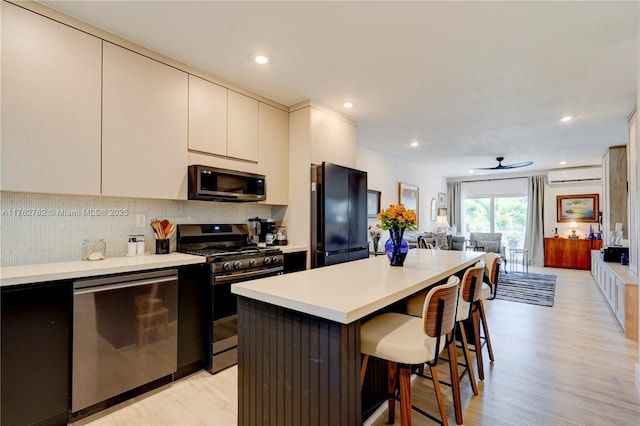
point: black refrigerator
(338, 215)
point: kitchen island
(299, 334)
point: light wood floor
(566, 365)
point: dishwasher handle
(124, 281)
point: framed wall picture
(442, 199)
(409, 197)
(442, 211)
(434, 210)
(578, 208)
(373, 203)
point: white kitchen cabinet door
(273, 156)
(50, 105)
(207, 117)
(333, 139)
(144, 136)
(242, 130)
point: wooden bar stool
(469, 287)
(405, 340)
(489, 291)
(468, 309)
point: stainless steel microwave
(214, 184)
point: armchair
(489, 242)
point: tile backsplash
(45, 228)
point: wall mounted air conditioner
(580, 174)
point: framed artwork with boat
(578, 208)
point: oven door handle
(221, 279)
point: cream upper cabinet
(242, 127)
(144, 136)
(273, 131)
(207, 117)
(333, 139)
(50, 105)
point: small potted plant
(375, 232)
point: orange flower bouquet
(396, 219)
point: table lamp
(442, 224)
(573, 226)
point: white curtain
(534, 236)
(454, 205)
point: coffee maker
(268, 231)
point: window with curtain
(498, 213)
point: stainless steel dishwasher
(125, 331)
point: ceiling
(468, 81)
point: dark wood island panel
(296, 369)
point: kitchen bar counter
(349, 291)
(299, 336)
(292, 248)
(27, 274)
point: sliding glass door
(504, 213)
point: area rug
(535, 289)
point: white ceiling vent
(581, 174)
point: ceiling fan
(500, 166)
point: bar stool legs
(483, 319)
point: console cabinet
(620, 287)
(568, 253)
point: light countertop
(349, 291)
(26, 274)
(292, 248)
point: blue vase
(396, 247)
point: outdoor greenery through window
(505, 214)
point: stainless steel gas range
(231, 260)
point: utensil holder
(162, 246)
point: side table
(513, 257)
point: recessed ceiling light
(414, 144)
(347, 105)
(471, 171)
(563, 162)
(567, 118)
(261, 59)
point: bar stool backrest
(471, 287)
(439, 311)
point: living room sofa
(440, 240)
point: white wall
(385, 175)
(550, 203)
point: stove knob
(267, 261)
(253, 262)
(275, 259)
(226, 266)
(237, 264)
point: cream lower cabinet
(50, 105)
(273, 158)
(620, 287)
(144, 136)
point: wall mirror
(434, 210)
